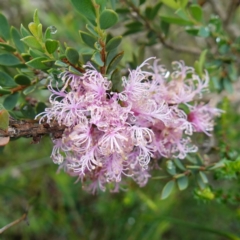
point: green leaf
(111, 55)
(29, 89)
(7, 47)
(183, 3)
(116, 79)
(88, 39)
(85, 8)
(91, 29)
(198, 65)
(28, 111)
(47, 33)
(4, 91)
(33, 27)
(37, 63)
(108, 18)
(72, 55)
(24, 31)
(4, 118)
(168, 188)
(49, 63)
(142, 2)
(171, 3)
(204, 32)
(192, 30)
(203, 177)
(227, 85)
(39, 29)
(170, 167)
(4, 29)
(113, 64)
(35, 17)
(113, 43)
(131, 31)
(177, 21)
(179, 164)
(183, 14)
(182, 183)
(16, 39)
(202, 58)
(74, 71)
(97, 59)
(11, 101)
(102, 3)
(200, 182)
(22, 79)
(51, 45)
(35, 53)
(32, 42)
(165, 27)
(7, 59)
(123, 10)
(155, 10)
(6, 80)
(196, 12)
(151, 12)
(40, 107)
(60, 64)
(134, 25)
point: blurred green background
(59, 209)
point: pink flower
(202, 117)
(112, 136)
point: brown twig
(22, 218)
(82, 70)
(31, 128)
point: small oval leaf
(28, 111)
(6, 80)
(196, 12)
(37, 63)
(113, 64)
(32, 42)
(7, 47)
(203, 177)
(4, 29)
(167, 189)
(33, 27)
(11, 101)
(51, 45)
(24, 31)
(7, 59)
(22, 79)
(72, 55)
(113, 43)
(88, 39)
(16, 39)
(4, 91)
(29, 89)
(182, 183)
(40, 107)
(108, 18)
(97, 59)
(85, 7)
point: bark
(31, 128)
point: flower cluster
(111, 135)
